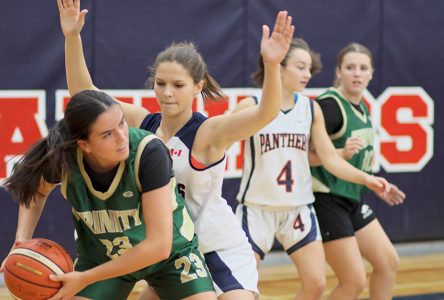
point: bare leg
(237, 294)
(376, 247)
(310, 262)
(148, 294)
(345, 259)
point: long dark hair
(296, 43)
(187, 55)
(49, 156)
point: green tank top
(356, 124)
(109, 223)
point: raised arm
(78, 78)
(221, 131)
(72, 21)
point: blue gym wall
(122, 37)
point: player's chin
(122, 154)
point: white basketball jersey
(216, 225)
(276, 171)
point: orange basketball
(29, 265)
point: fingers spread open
(60, 5)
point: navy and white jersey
(276, 172)
(216, 225)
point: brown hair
(350, 48)
(187, 55)
(296, 43)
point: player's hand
(275, 47)
(352, 146)
(71, 18)
(394, 197)
(73, 283)
(17, 242)
(377, 184)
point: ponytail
(211, 89)
(44, 160)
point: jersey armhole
(143, 143)
(341, 131)
(197, 164)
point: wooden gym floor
(419, 275)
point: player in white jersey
(198, 144)
(276, 189)
(281, 145)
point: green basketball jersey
(356, 124)
(109, 223)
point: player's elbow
(164, 249)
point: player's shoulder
(329, 95)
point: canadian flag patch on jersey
(175, 152)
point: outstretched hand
(275, 47)
(394, 197)
(71, 18)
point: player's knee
(355, 285)
(389, 265)
(393, 263)
(315, 287)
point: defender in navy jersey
(276, 197)
(130, 221)
(348, 224)
(197, 145)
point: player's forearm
(315, 161)
(271, 100)
(77, 74)
(28, 218)
(339, 167)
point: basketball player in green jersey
(348, 225)
(130, 220)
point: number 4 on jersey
(285, 177)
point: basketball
(29, 265)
